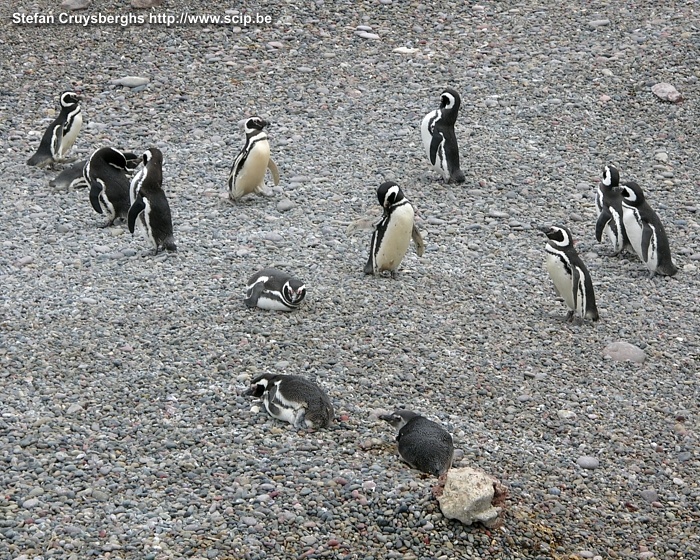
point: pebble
(586, 462)
(75, 4)
(285, 205)
(596, 23)
(666, 92)
(624, 351)
(131, 81)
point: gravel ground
(123, 433)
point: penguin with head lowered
(275, 290)
(150, 205)
(645, 232)
(571, 278)
(293, 399)
(439, 140)
(106, 173)
(393, 233)
(423, 444)
(248, 170)
(609, 204)
(72, 177)
(61, 133)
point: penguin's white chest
(426, 133)
(561, 277)
(252, 173)
(72, 133)
(396, 239)
(634, 228)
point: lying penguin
(423, 444)
(293, 399)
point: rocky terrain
(123, 431)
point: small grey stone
(75, 4)
(666, 92)
(62, 228)
(146, 4)
(29, 504)
(624, 351)
(366, 35)
(650, 495)
(100, 496)
(587, 462)
(131, 81)
(250, 521)
(598, 23)
(285, 205)
(24, 261)
(75, 407)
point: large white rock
(469, 495)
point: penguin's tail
(39, 160)
(458, 177)
(169, 244)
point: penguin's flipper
(95, 190)
(418, 240)
(57, 139)
(438, 139)
(647, 237)
(272, 166)
(603, 220)
(136, 208)
(252, 293)
(361, 224)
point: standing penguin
(438, 133)
(106, 173)
(293, 399)
(61, 133)
(423, 444)
(645, 231)
(273, 289)
(571, 278)
(248, 170)
(609, 204)
(393, 233)
(150, 203)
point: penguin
(645, 232)
(106, 173)
(393, 233)
(150, 204)
(248, 170)
(72, 177)
(61, 133)
(609, 204)
(273, 289)
(423, 444)
(293, 399)
(438, 133)
(571, 278)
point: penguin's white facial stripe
(448, 100)
(628, 195)
(391, 195)
(559, 237)
(607, 179)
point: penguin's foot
(570, 317)
(149, 253)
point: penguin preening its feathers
(294, 399)
(72, 177)
(394, 232)
(439, 139)
(60, 135)
(422, 443)
(610, 216)
(571, 278)
(248, 170)
(150, 205)
(645, 231)
(106, 173)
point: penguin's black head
(449, 99)
(294, 291)
(153, 156)
(389, 193)
(257, 387)
(611, 176)
(110, 155)
(399, 418)
(69, 98)
(558, 236)
(254, 124)
(632, 194)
